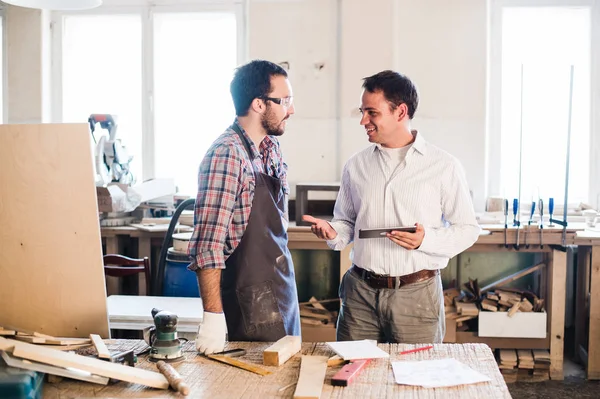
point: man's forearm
(209, 281)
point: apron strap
(236, 129)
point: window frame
(146, 10)
(493, 139)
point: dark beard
(270, 127)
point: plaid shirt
(225, 191)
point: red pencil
(416, 350)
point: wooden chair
(122, 266)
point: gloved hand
(211, 333)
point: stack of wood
(541, 365)
(62, 344)
(507, 362)
(524, 365)
(313, 312)
(52, 355)
(459, 307)
(511, 301)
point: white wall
(440, 45)
(330, 46)
(28, 65)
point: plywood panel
(50, 249)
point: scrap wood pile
(316, 313)
(464, 305)
(84, 359)
(523, 364)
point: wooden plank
(44, 368)
(513, 277)
(557, 282)
(103, 352)
(581, 292)
(311, 378)
(47, 170)
(282, 350)
(95, 366)
(239, 364)
(593, 370)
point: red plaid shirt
(225, 192)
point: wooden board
(59, 371)
(50, 249)
(311, 378)
(103, 352)
(557, 279)
(103, 368)
(282, 350)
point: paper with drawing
(436, 373)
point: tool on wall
(551, 211)
(516, 219)
(162, 337)
(505, 222)
(529, 222)
(517, 202)
(541, 210)
(563, 222)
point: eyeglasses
(284, 101)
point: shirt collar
(255, 152)
(419, 144)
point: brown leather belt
(380, 281)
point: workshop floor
(574, 385)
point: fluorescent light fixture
(56, 4)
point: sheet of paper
(352, 350)
(436, 373)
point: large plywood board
(50, 250)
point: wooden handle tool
(174, 378)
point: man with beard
(239, 245)
(393, 291)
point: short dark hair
(250, 81)
(397, 89)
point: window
(163, 70)
(102, 65)
(192, 103)
(532, 58)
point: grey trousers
(411, 314)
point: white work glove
(211, 333)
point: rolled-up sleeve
(220, 182)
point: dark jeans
(411, 314)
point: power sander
(162, 337)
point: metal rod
(520, 161)
(564, 232)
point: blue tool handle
(551, 206)
(515, 206)
(532, 208)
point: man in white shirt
(393, 291)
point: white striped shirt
(428, 187)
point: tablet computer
(381, 233)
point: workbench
(300, 237)
(210, 379)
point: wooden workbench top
(210, 379)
